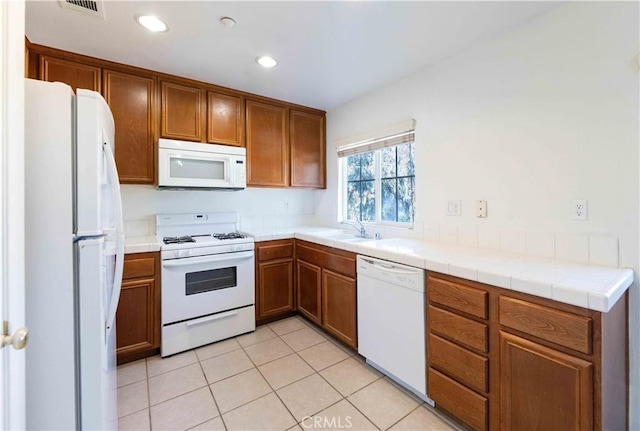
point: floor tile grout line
(146, 369)
(403, 417)
(213, 397)
(282, 401)
(273, 391)
(361, 412)
(321, 410)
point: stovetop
(184, 231)
(203, 238)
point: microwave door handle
(188, 261)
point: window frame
(377, 187)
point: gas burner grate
(177, 239)
(230, 235)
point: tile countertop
(594, 287)
(141, 244)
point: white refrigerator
(74, 258)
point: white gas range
(207, 280)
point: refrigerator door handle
(112, 172)
(117, 283)
(119, 267)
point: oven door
(198, 286)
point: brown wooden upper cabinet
(307, 143)
(182, 112)
(225, 119)
(75, 74)
(267, 145)
(131, 99)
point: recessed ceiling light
(266, 61)
(152, 23)
(227, 22)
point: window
(379, 185)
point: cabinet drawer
(466, 331)
(459, 363)
(463, 403)
(138, 267)
(309, 254)
(565, 329)
(275, 251)
(466, 299)
(342, 264)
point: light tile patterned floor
(284, 376)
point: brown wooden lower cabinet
(274, 279)
(309, 290)
(338, 306)
(543, 389)
(326, 289)
(527, 363)
(138, 315)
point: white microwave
(189, 165)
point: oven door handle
(188, 261)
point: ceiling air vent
(90, 7)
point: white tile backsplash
(432, 233)
(603, 250)
(449, 233)
(540, 243)
(468, 235)
(144, 227)
(574, 247)
(513, 240)
(489, 237)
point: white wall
(529, 121)
(256, 207)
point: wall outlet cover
(579, 209)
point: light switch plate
(454, 208)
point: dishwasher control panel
(391, 272)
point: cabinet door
(267, 146)
(225, 119)
(339, 307)
(275, 287)
(543, 389)
(135, 318)
(308, 281)
(307, 144)
(76, 75)
(130, 98)
(182, 112)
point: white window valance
(390, 136)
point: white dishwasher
(391, 321)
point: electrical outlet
(579, 209)
(454, 208)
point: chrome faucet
(361, 230)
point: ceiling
(328, 52)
